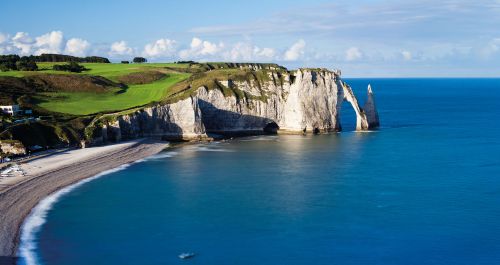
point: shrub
(139, 60)
(4, 67)
(47, 57)
(125, 62)
(69, 67)
(24, 65)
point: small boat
(186, 255)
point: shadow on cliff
(230, 123)
(141, 126)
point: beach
(48, 174)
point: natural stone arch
(361, 120)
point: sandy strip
(48, 174)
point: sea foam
(162, 155)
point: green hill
(103, 88)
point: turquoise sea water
(424, 189)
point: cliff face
(301, 101)
(179, 120)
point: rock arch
(367, 117)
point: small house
(10, 109)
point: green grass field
(108, 70)
(89, 103)
(114, 70)
(84, 103)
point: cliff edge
(244, 101)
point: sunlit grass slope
(82, 103)
(122, 95)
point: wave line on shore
(37, 217)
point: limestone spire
(371, 110)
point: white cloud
(4, 48)
(491, 48)
(22, 42)
(120, 48)
(196, 42)
(242, 51)
(268, 53)
(3, 38)
(160, 48)
(201, 49)
(77, 47)
(353, 54)
(295, 51)
(406, 55)
(49, 43)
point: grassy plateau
(82, 103)
(122, 96)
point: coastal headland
(112, 105)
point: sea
(423, 189)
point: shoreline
(50, 174)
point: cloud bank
(367, 38)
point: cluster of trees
(139, 60)
(15, 62)
(28, 63)
(136, 60)
(186, 62)
(69, 67)
(48, 57)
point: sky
(363, 38)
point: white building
(10, 109)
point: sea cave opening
(271, 128)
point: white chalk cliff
(305, 100)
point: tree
(25, 65)
(69, 67)
(8, 62)
(125, 62)
(4, 67)
(139, 60)
(28, 63)
(94, 59)
(49, 57)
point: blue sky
(371, 38)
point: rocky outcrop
(371, 110)
(12, 147)
(300, 101)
